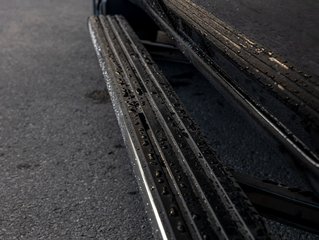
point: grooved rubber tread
(189, 193)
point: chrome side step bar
(188, 193)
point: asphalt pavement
(64, 171)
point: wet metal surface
(196, 198)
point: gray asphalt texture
(64, 171)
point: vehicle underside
(223, 132)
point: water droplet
(180, 227)
(172, 211)
(307, 75)
(165, 190)
(158, 173)
(139, 91)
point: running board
(237, 74)
(188, 193)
